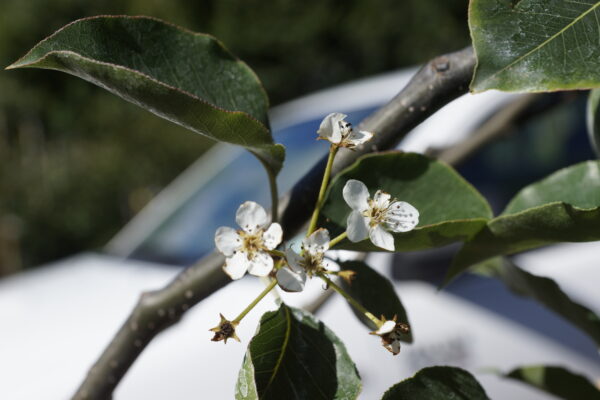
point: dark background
(76, 163)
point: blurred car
(58, 318)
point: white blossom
(373, 218)
(247, 249)
(338, 131)
(312, 260)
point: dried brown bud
(225, 330)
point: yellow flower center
(376, 215)
(312, 263)
(252, 243)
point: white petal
(294, 260)
(381, 238)
(356, 195)
(357, 227)
(272, 236)
(387, 327)
(261, 264)
(330, 127)
(227, 240)
(317, 242)
(381, 199)
(237, 265)
(330, 265)
(357, 138)
(401, 217)
(291, 281)
(251, 216)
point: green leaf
(450, 208)
(557, 381)
(294, 356)
(376, 293)
(593, 120)
(438, 383)
(185, 77)
(564, 207)
(545, 291)
(535, 45)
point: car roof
(62, 315)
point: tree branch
(439, 82)
(502, 124)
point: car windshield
(188, 233)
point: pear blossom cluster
(253, 248)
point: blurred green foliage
(76, 162)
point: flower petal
(237, 265)
(294, 260)
(250, 216)
(317, 242)
(381, 238)
(401, 217)
(227, 240)
(357, 227)
(387, 327)
(394, 347)
(381, 199)
(356, 195)
(330, 127)
(272, 236)
(356, 138)
(261, 264)
(330, 265)
(291, 281)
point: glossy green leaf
(557, 381)
(564, 207)
(593, 120)
(438, 383)
(450, 208)
(535, 45)
(376, 293)
(545, 291)
(293, 356)
(185, 77)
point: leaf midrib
(284, 346)
(550, 39)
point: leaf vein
(283, 347)
(560, 33)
